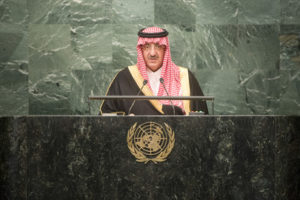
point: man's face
(153, 55)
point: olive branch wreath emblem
(140, 156)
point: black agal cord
(152, 35)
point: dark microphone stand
(162, 82)
(144, 83)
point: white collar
(154, 80)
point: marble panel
(179, 12)
(13, 41)
(49, 11)
(259, 72)
(287, 160)
(290, 12)
(5, 129)
(50, 95)
(68, 163)
(225, 86)
(92, 43)
(13, 159)
(220, 157)
(124, 44)
(227, 158)
(49, 49)
(217, 12)
(76, 12)
(216, 47)
(258, 11)
(262, 90)
(91, 12)
(133, 12)
(258, 47)
(289, 70)
(14, 88)
(50, 64)
(89, 83)
(13, 70)
(237, 36)
(182, 46)
(12, 11)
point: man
(154, 75)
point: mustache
(153, 57)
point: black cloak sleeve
(195, 89)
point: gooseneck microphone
(144, 83)
(162, 82)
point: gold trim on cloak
(100, 109)
(138, 78)
(185, 87)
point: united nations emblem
(150, 141)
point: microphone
(162, 82)
(144, 83)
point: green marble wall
(55, 53)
